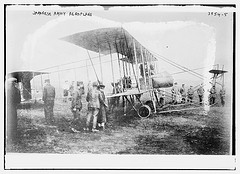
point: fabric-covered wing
(26, 75)
(109, 40)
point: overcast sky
(190, 38)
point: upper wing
(110, 40)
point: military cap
(101, 84)
(47, 80)
(95, 84)
(12, 79)
(79, 83)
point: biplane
(134, 56)
(140, 84)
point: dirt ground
(186, 132)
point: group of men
(181, 95)
(96, 104)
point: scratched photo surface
(108, 80)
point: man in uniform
(190, 94)
(183, 93)
(48, 98)
(65, 91)
(213, 95)
(76, 101)
(222, 93)
(175, 92)
(94, 98)
(102, 116)
(13, 99)
(200, 92)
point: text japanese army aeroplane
(134, 58)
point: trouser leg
(51, 117)
(89, 116)
(95, 114)
(46, 113)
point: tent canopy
(111, 40)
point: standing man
(93, 98)
(200, 92)
(222, 93)
(13, 99)
(48, 98)
(65, 91)
(76, 101)
(175, 92)
(213, 95)
(183, 93)
(102, 116)
(190, 94)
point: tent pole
(136, 64)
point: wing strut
(93, 66)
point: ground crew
(222, 93)
(13, 99)
(213, 95)
(48, 98)
(175, 92)
(200, 92)
(102, 116)
(76, 101)
(183, 93)
(94, 98)
(190, 94)
(65, 91)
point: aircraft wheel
(144, 111)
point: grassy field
(186, 132)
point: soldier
(190, 94)
(222, 93)
(76, 101)
(200, 92)
(213, 95)
(94, 98)
(48, 98)
(13, 99)
(65, 91)
(114, 101)
(175, 92)
(183, 93)
(102, 116)
(71, 89)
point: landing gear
(144, 111)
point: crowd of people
(181, 95)
(97, 103)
